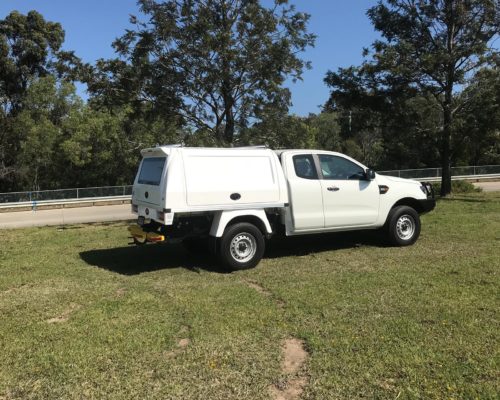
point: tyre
(242, 246)
(403, 226)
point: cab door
(304, 188)
(349, 198)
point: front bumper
(427, 205)
(430, 203)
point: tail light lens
(135, 208)
(161, 215)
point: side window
(339, 168)
(304, 166)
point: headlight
(426, 188)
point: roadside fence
(470, 172)
(66, 194)
(103, 193)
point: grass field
(85, 316)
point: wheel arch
(409, 202)
(224, 219)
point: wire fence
(66, 194)
(115, 191)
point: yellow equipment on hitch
(141, 237)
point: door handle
(333, 189)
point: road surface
(488, 186)
(64, 216)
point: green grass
(84, 316)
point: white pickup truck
(234, 199)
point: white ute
(236, 198)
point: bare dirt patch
(120, 292)
(255, 286)
(294, 358)
(65, 315)
(15, 289)
(181, 343)
(263, 291)
(292, 390)
(294, 355)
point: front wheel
(403, 226)
(242, 246)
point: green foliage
(63, 142)
(30, 60)
(429, 51)
(280, 131)
(479, 124)
(327, 131)
(30, 47)
(207, 73)
(217, 64)
(459, 187)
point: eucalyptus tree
(216, 64)
(434, 47)
(30, 48)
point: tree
(280, 131)
(387, 126)
(225, 61)
(479, 127)
(30, 48)
(436, 45)
(433, 47)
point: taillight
(135, 208)
(161, 215)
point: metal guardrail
(90, 201)
(456, 172)
(65, 194)
(122, 193)
(460, 178)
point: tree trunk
(446, 151)
(227, 97)
(229, 128)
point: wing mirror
(370, 174)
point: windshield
(151, 170)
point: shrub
(458, 187)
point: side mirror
(370, 174)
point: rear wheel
(242, 246)
(403, 225)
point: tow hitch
(140, 236)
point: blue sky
(341, 25)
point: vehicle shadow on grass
(134, 260)
(310, 244)
(464, 199)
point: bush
(458, 187)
